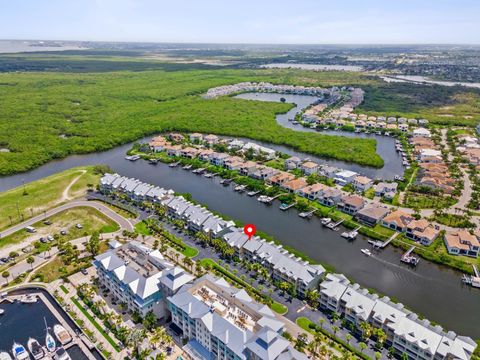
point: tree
(378, 355)
(150, 320)
(158, 336)
(348, 337)
(362, 346)
(335, 329)
(366, 330)
(155, 244)
(188, 262)
(93, 244)
(6, 275)
(30, 260)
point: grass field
(43, 194)
(90, 219)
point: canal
(385, 145)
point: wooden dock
(408, 258)
(382, 244)
(287, 206)
(334, 226)
(307, 214)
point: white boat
(35, 349)
(29, 299)
(61, 354)
(240, 188)
(1, 313)
(19, 352)
(326, 221)
(49, 340)
(366, 252)
(61, 334)
(5, 356)
(264, 198)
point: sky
(245, 21)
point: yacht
(5, 356)
(1, 313)
(49, 340)
(326, 221)
(35, 349)
(366, 252)
(28, 299)
(61, 334)
(61, 354)
(19, 352)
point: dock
(382, 244)
(307, 214)
(253, 193)
(334, 226)
(472, 280)
(269, 200)
(226, 181)
(287, 206)
(408, 258)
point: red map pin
(249, 230)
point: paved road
(120, 220)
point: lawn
(142, 228)
(38, 196)
(90, 219)
(57, 269)
(88, 112)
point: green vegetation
(91, 220)
(97, 325)
(64, 289)
(41, 195)
(87, 112)
(142, 228)
(439, 104)
(454, 220)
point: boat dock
(287, 206)
(253, 193)
(408, 258)
(472, 280)
(334, 226)
(307, 214)
(382, 244)
(269, 200)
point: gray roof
(215, 225)
(268, 344)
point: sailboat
(49, 340)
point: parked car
(63, 232)
(50, 238)
(5, 260)
(84, 271)
(43, 240)
(79, 226)
(47, 222)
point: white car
(79, 226)
(50, 238)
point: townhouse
(462, 242)
(219, 321)
(421, 231)
(176, 207)
(215, 227)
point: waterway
(315, 67)
(22, 321)
(385, 145)
(417, 79)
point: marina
(38, 329)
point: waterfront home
(391, 120)
(115, 185)
(381, 119)
(132, 273)
(204, 155)
(402, 120)
(432, 159)
(218, 159)
(259, 150)
(157, 144)
(362, 183)
(421, 231)
(381, 125)
(211, 139)
(233, 163)
(189, 153)
(309, 167)
(176, 138)
(422, 122)
(421, 132)
(215, 227)
(196, 138)
(331, 290)
(293, 186)
(371, 124)
(397, 220)
(360, 125)
(173, 150)
(236, 144)
(412, 121)
(344, 177)
(263, 172)
(462, 242)
(356, 304)
(157, 194)
(312, 192)
(371, 214)
(351, 204)
(403, 127)
(328, 171)
(220, 321)
(140, 192)
(248, 167)
(292, 163)
(176, 207)
(195, 216)
(330, 197)
(128, 186)
(384, 188)
(385, 315)
(280, 178)
(106, 182)
(236, 239)
(392, 127)
(426, 153)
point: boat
(49, 340)
(208, 175)
(132, 157)
(187, 167)
(226, 181)
(264, 199)
(366, 252)
(2, 311)
(253, 193)
(349, 234)
(5, 356)
(61, 354)
(199, 171)
(175, 164)
(19, 352)
(28, 299)
(35, 349)
(61, 334)
(153, 161)
(240, 188)
(326, 221)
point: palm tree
(335, 329)
(362, 346)
(348, 337)
(366, 330)
(6, 275)
(321, 321)
(188, 262)
(158, 336)
(30, 260)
